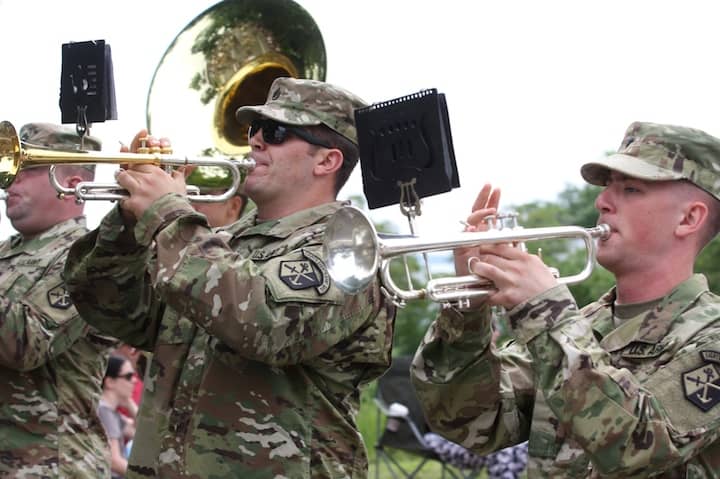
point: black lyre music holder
(87, 87)
(406, 149)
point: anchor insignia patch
(702, 385)
(59, 298)
(306, 273)
(298, 274)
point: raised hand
(486, 204)
(146, 183)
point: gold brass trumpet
(14, 156)
(354, 252)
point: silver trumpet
(355, 252)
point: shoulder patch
(322, 270)
(307, 273)
(702, 384)
(58, 297)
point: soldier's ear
(693, 220)
(329, 161)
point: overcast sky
(534, 89)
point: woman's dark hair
(115, 364)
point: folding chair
(405, 429)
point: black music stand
(87, 85)
(406, 150)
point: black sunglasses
(126, 376)
(275, 133)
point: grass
(430, 470)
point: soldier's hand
(486, 204)
(516, 274)
(146, 183)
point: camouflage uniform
(609, 390)
(51, 362)
(51, 365)
(257, 356)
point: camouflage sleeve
(242, 304)
(472, 393)
(106, 276)
(623, 424)
(41, 325)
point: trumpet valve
(143, 148)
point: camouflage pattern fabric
(307, 102)
(51, 365)
(57, 137)
(257, 356)
(657, 152)
(594, 399)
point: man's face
(642, 216)
(281, 171)
(32, 204)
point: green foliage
(413, 320)
(707, 264)
(415, 317)
(575, 207)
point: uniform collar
(653, 325)
(284, 227)
(18, 244)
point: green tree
(708, 264)
(575, 206)
(415, 317)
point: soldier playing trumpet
(51, 362)
(626, 387)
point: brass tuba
(228, 57)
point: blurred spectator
(118, 384)
(138, 361)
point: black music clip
(406, 143)
(87, 87)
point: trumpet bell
(10, 154)
(351, 249)
(228, 57)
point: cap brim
(596, 172)
(246, 115)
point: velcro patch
(298, 274)
(305, 273)
(321, 269)
(702, 386)
(58, 297)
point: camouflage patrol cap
(307, 102)
(57, 137)
(656, 152)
